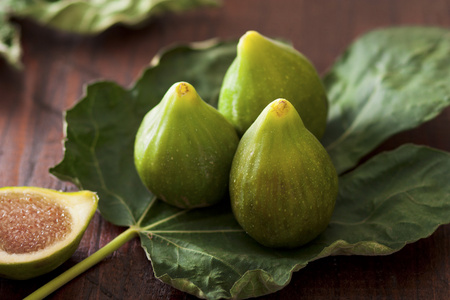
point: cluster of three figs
(262, 144)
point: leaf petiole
(84, 265)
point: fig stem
(84, 265)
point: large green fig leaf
(388, 81)
(393, 199)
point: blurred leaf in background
(81, 16)
(9, 34)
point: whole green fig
(184, 148)
(283, 185)
(265, 69)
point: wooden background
(59, 65)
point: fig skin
(283, 185)
(265, 69)
(184, 149)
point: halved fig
(40, 228)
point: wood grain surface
(59, 65)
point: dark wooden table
(59, 65)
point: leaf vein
(355, 121)
(165, 220)
(372, 212)
(201, 253)
(199, 231)
(147, 209)
(98, 168)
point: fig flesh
(184, 149)
(265, 69)
(283, 185)
(40, 228)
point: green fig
(283, 185)
(265, 69)
(184, 148)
